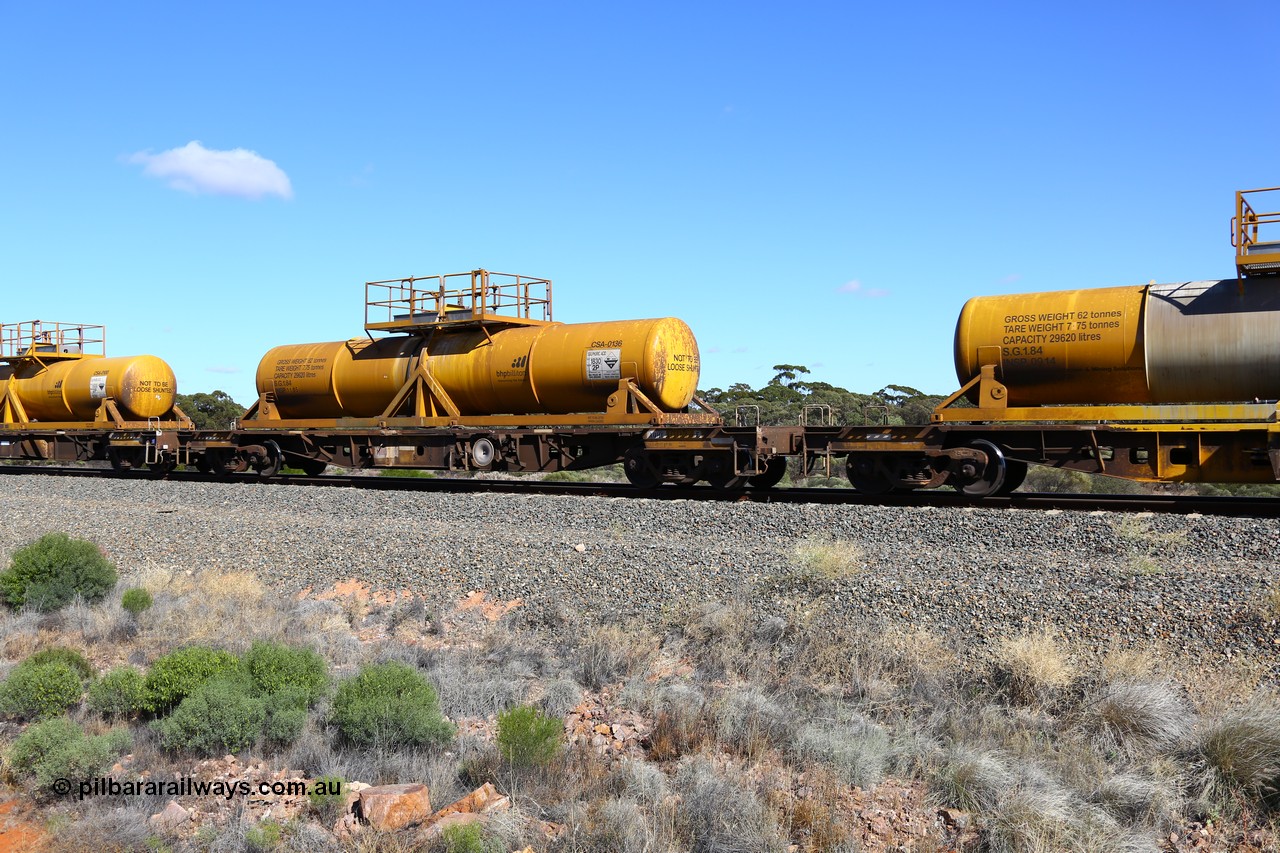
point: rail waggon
(470, 372)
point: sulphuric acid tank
(558, 368)
(142, 386)
(1192, 342)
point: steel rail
(1179, 504)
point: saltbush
(389, 704)
(468, 838)
(61, 654)
(286, 714)
(275, 666)
(174, 676)
(59, 749)
(50, 572)
(136, 600)
(219, 716)
(119, 693)
(39, 690)
(266, 836)
(527, 737)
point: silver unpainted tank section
(1213, 341)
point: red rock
(482, 799)
(173, 818)
(346, 827)
(437, 827)
(388, 807)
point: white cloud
(855, 286)
(196, 169)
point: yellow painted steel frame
(991, 408)
(421, 402)
(1245, 238)
(1206, 452)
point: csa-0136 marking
(604, 364)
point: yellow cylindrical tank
(557, 368)
(338, 379)
(1204, 341)
(142, 387)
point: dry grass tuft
(212, 606)
(816, 820)
(1145, 545)
(1138, 717)
(1129, 665)
(1272, 603)
(855, 749)
(718, 814)
(1237, 757)
(610, 653)
(1034, 667)
(818, 559)
(750, 722)
(974, 781)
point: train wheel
(721, 472)
(1014, 476)
(126, 458)
(993, 477)
(226, 463)
(725, 480)
(274, 461)
(204, 464)
(865, 477)
(773, 473)
(636, 466)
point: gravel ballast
(1195, 586)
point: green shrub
(219, 716)
(389, 704)
(267, 835)
(39, 690)
(59, 749)
(527, 737)
(286, 714)
(174, 676)
(136, 600)
(275, 666)
(60, 654)
(328, 797)
(468, 838)
(54, 569)
(119, 693)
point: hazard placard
(604, 364)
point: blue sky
(814, 183)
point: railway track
(1179, 504)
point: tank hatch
(47, 340)
(1256, 235)
(478, 298)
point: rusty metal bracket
(108, 412)
(429, 396)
